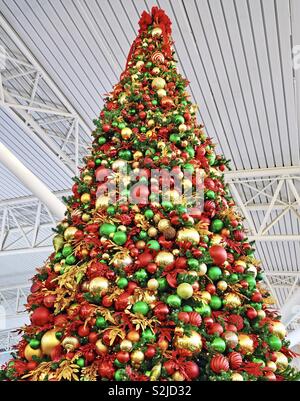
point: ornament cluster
(150, 291)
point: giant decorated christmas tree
(143, 287)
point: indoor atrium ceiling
(239, 62)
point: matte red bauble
(191, 369)
(215, 328)
(161, 311)
(40, 316)
(49, 301)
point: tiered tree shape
(150, 289)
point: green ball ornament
(121, 125)
(67, 250)
(107, 228)
(148, 336)
(217, 225)
(274, 343)
(141, 308)
(101, 322)
(98, 162)
(233, 278)
(174, 301)
(143, 235)
(188, 168)
(167, 205)
(211, 158)
(111, 210)
(122, 282)
(174, 138)
(187, 308)
(58, 256)
(141, 274)
(215, 302)
(251, 281)
(162, 283)
(119, 238)
(148, 214)
(34, 343)
(101, 140)
(178, 119)
(118, 364)
(260, 361)
(153, 244)
(120, 375)
(218, 345)
(193, 263)
(125, 154)
(204, 310)
(210, 194)
(70, 260)
(59, 335)
(80, 362)
(185, 290)
(214, 273)
(190, 151)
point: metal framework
(36, 103)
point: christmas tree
(144, 282)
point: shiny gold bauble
(150, 299)
(137, 155)
(99, 285)
(236, 377)
(182, 128)
(245, 344)
(188, 235)
(241, 263)
(122, 260)
(192, 343)
(252, 270)
(152, 232)
(101, 348)
(231, 339)
(57, 267)
(164, 258)
(126, 345)
(85, 217)
(140, 244)
(72, 309)
(85, 286)
(172, 195)
(30, 352)
(126, 133)
(153, 284)
(69, 233)
(185, 290)
(70, 343)
(163, 224)
(205, 296)
(278, 329)
(158, 83)
(137, 356)
(216, 239)
(102, 202)
(161, 93)
(222, 285)
(85, 198)
(163, 344)
(261, 314)
(232, 300)
(281, 361)
(272, 365)
(178, 377)
(139, 64)
(176, 252)
(49, 341)
(169, 233)
(155, 71)
(118, 164)
(88, 179)
(151, 122)
(202, 269)
(133, 336)
(157, 31)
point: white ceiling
(236, 54)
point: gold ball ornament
(278, 329)
(202, 269)
(236, 377)
(88, 179)
(231, 339)
(100, 347)
(57, 267)
(163, 224)
(241, 263)
(118, 164)
(152, 232)
(232, 300)
(133, 336)
(272, 365)
(69, 233)
(102, 202)
(70, 343)
(158, 83)
(161, 93)
(216, 239)
(245, 344)
(222, 285)
(169, 233)
(139, 64)
(137, 356)
(281, 361)
(122, 260)
(85, 198)
(205, 296)
(178, 377)
(137, 155)
(157, 31)
(85, 217)
(153, 284)
(188, 235)
(126, 345)
(164, 258)
(182, 128)
(192, 343)
(29, 353)
(126, 133)
(49, 341)
(252, 270)
(185, 290)
(261, 314)
(99, 285)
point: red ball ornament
(239, 235)
(86, 310)
(60, 320)
(106, 301)
(123, 356)
(93, 337)
(151, 268)
(170, 367)
(181, 262)
(191, 369)
(131, 287)
(35, 286)
(270, 376)
(150, 352)
(219, 363)
(211, 288)
(256, 297)
(195, 319)
(40, 316)
(83, 331)
(208, 320)
(49, 301)
(218, 254)
(144, 259)
(215, 328)
(235, 360)
(237, 321)
(184, 317)
(161, 311)
(31, 365)
(106, 369)
(251, 313)
(122, 301)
